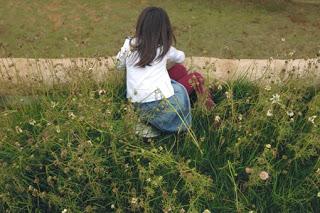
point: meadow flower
(283, 39)
(53, 104)
(318, 195)
(149, 180)
(240, 117)
(32, 122)
(219, 87)
(58, 129)
(112, 206)
(269, 113)
(64, 211)
(206, 211)
(71, 115)
(264, 175)
(290, 113)
(228, 95)
(134, 201)
(217, 118)
(311, 119)
(101, 92)
(268, 146)
(18, 130)
(275, 99)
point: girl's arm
(175, 57)
(122, 55)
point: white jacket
(150, 83)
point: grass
(73, 147)
(226, 29)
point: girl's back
(152, 82)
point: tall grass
(74, 149)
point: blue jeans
(168, 115)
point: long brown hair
(153, 30)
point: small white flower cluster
(275, 99)
(217, 118)
(311, 119)
(269, 113)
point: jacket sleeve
(175, 55)
(122, 55)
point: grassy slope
(210, 28)
(75, 149)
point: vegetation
(74, 149)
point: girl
(160, 101)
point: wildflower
(32, 122)
(206, 211)
(217, 118)
(311, 119)
(113, 206)
(53, 104)
(64, 211)
(290, 113)
(228, 95)
(283, 39)
(134, 200)
(102, 92)
(18, 130)
(264, 175)
(182, 210)
(318, 171)
(318, 195)
(275, 99)
(149, 180)
(268, 88)
(268, 146)
(219, 87)
(160, 148)
(71, 115)
(269, 113)
(240, 117)
(58, 129)
(248, 170)
(174, 191)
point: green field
(227, 29)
